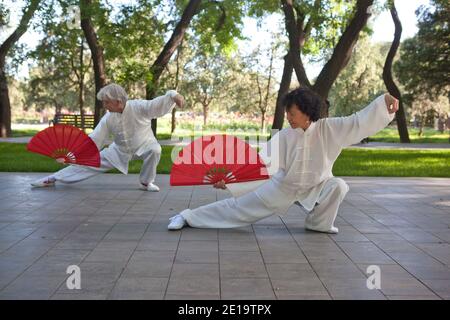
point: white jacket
(131, 129)
(306, 157)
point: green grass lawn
(428, 136)
(352, 162)
(23, 133)
(386, 135)
(15, 158)
(393, 163)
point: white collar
(308, 130)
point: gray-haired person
(129, 122)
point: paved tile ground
(117, 235)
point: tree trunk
(96, 53)
(284, 88)
(174, 120)
(389, 81)
(177, 81)
(260, 95)
(81, 85)
(342, 52)
(295, 42)
(422, 124)
(266, 99)
(163, 59)
(5, 105)
(58, 108)
(263, 122)
(205, 114)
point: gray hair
(112, 92)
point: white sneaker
(177, 222)
(150, 187)
(44, 182)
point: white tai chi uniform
(133, 139)
(303, 174)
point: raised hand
(391, 103)
(179, 100)
(220, 185)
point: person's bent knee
(157, 149)
(340, 185)
(154, 149)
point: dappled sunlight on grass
(352, 162)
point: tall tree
(262, 76)
(329, 29)
(216, 25)
(64, 52)
(5, 106)
(206, 78)
(389, 80)
(177, 85)
(360, 81)
(86, 8)
(424, 64)
(169, 48)
(343, 50)
(80, 74)
(285, 83)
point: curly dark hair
(306, 100)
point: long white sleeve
(101, 132)
(345, 131)
(158, 107)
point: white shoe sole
(42, 185)
(329, 231)
(142, 187)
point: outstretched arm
(155, 108)
(345, 131)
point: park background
(231, 61)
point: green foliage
(57, 72)
(360, 82)
(327, 18)
(424, 67)
(218, 25)
(132, 38)
(5, 17)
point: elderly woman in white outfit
(306, 153)
(129, 122)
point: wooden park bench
(75, 120)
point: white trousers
(73, 174)
(249, 208)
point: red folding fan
(210, 159)
(66, 144)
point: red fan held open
(66, 144)
(210, 159)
